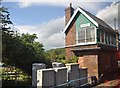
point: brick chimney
(68, 13)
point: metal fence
(72, 83)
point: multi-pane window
(98, 35)
(86, 35)
(90, 34)
(106, 38)
(81, 36)
(114, 39)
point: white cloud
(49, 33)
(59, 3)
(28, 3)
(25, 29)
(109, 13)
(59, 0)
(24, 3)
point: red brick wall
(68, 52)
(70, 33)
(70, 40)
(90, 62)
(99, 62)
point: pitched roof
(96, 21)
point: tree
(56, 54)
(5, 20)
(59, 56)
(19, 50)
(22, 51)
(5, 28)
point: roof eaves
(84, 13)
(91, 19)
(70, 20)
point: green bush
(73, 59)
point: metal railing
(72, 83)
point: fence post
(35, 67)
(45, 78)
(60, 75)
(73, 72)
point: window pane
(81, 36)
(98, 35)
(106, 38)
(102, 36)
(86, 35)
(114, 40)
(90, 34)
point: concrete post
(57, 64)
(73, 72)
(45, 78)
(60, 75)
(35, 67)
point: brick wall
(90, 62)
(68, 13)
(68, 53)
(107, 64)
(99, 62)
(70, 33)
(70, 40)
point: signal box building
(93, 41)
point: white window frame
(109, 39)
(87, 43)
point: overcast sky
(47, 19)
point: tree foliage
(20, 50)
(5, 19)
(56, 54)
